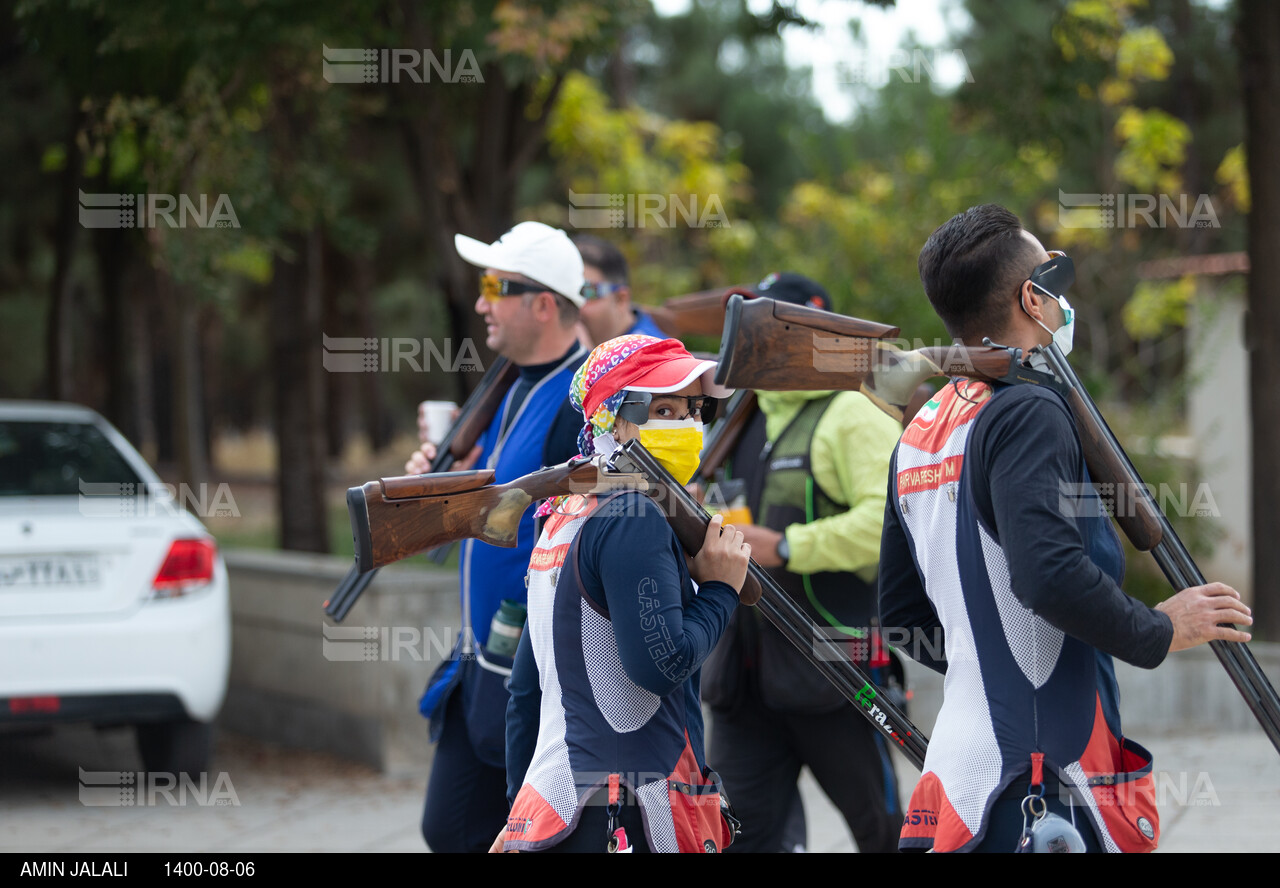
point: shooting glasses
(592, 292)
(493, 288)
(635, 407)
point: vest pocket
(700, 823)
(1127, 800)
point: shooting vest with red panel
(1015, 684)
(596, 726)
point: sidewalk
(1218, 794)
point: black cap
(795, 288)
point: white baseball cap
(534, 250)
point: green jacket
(850, 461)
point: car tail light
(188, 566)
(37, 705)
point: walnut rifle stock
(792, 348)
(777, 346)
(394, 518)
(476, 414)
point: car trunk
(66, 557)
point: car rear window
(55, 458)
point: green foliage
(1233, 173)
(1154, 147)
(1157, 306)
(224, 97)
(719, 62)
(680, 168)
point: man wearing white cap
(530, 291)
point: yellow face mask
(676, 443)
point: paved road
(1218, 793)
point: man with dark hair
(607, 311)
(982, 552)
(813, 467)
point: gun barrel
(689, 521)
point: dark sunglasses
(591, 292)
(493, 288)
(1056, 275)
(635, 407)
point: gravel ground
(1218, 793)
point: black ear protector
(1055, 276)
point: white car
(113, 600)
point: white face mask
(605, 444)
(1063, 335)
(668, 424)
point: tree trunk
(183, 336)
(474, 195)
(299, 407)
(336, 322)
(112, 248)
(1259, 42)
(377, 421)
(58, 341)
(142, 360)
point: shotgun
(742, 406)
(820, 353)
(394, 518)
(476, 415)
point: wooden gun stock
(476, 414)
(789, 347)
(394, 518)
(786, 348)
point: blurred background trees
(346, 196)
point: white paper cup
(437, 416)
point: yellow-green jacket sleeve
(850, 460)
